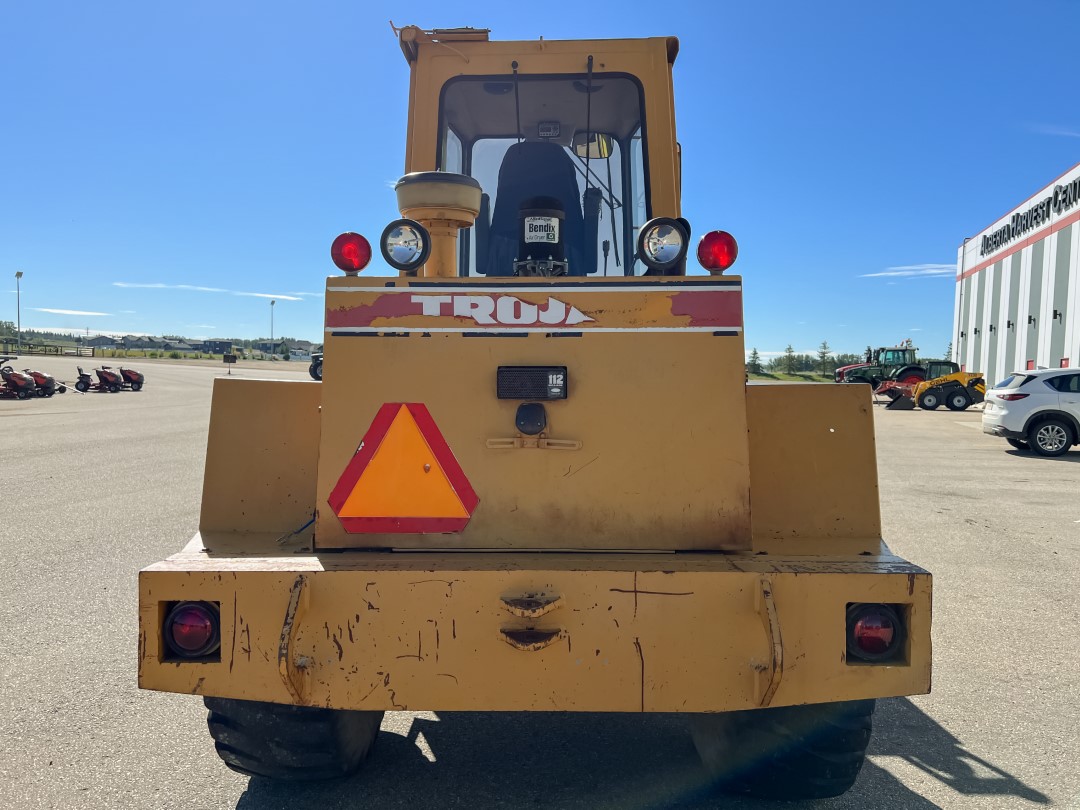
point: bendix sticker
(541, 229)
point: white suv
(1036, 410)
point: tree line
(824, 362)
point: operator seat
(534, 169)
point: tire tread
(290, 742)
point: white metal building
(1018, 286)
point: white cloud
(307, 294)
(131, 285)
(270, 295)
(193, 288)
(127, 312)
(914, 271)
(1051, 129)
(200, 326)
(915, 329)
(71, 312)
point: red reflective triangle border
(373, 438)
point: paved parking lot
(100, 485)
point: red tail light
(351, 252)
(1012, 397)
(192, 629)
(717, 251)
(875, 633)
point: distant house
(266, 347)
(100, 342)
(140, 342)
(298, 351)
(177, 346)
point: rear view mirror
(593, 145)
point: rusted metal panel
(633, 633)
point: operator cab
(560, 160)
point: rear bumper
(1002, 431)
(612, 632)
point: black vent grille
(532, 382)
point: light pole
(272, 302)
(18, 309)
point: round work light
(662, 244)
(406, 245)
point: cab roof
(411, 36)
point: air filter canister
(540, 236)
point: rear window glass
(1013, 381)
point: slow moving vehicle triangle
(403, 478)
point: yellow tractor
(533, 477)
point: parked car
(1036, 410)
(315, 369)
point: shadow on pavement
(1071, 456)
(497, 760)
(903, 730)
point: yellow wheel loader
(533, 477)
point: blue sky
(167, 166)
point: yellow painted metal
(768, 493)
(661, 632)
(813, 473)
(261, 456)
(648, 60)
(663, 456)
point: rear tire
(1019, 444)
(930, 399)
(315, 370)
(82, 387)
(957, 400)
(23, 394)
(792, 753)
(290, 742)
(136, 386)
(1050, 437)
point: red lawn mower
(46, 383)
(15, 384)
(107, 380)
(132, 378)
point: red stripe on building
(1049, 230)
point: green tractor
(898, 363)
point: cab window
(571, 139)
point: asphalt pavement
(97, 486)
